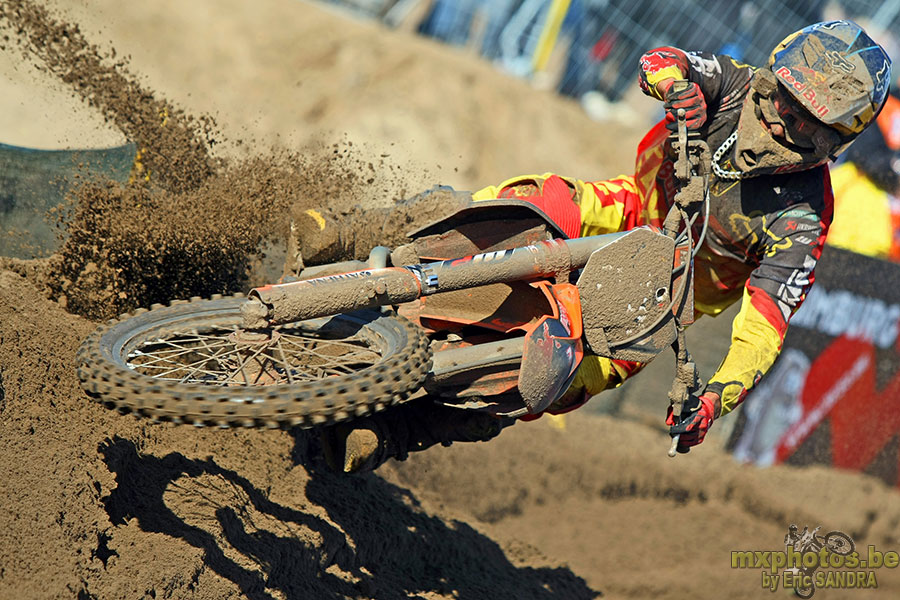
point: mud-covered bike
(489, 309)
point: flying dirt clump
(128, 246)
(173, 147)
(131, 246)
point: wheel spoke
(182, 366)
(243, 363)
(349, 343)
(355, 348)
(288, 369)
(161, 354)
(214, 357)
(166, 357)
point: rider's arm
(791, 245)
(721, 78)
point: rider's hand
(696, 422)
(691, 100)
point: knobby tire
(399, 362)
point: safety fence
(603, 39)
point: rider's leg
(578, 208)
(595, 374)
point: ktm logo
(839, 62)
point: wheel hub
(255, 338)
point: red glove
(692, 101)
(695, 422)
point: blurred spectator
(519, 38)
(496, 15)
(607, 43)
(867, 189)
(450, 21)
(889, 119)
(511, 28)
(592, 41)
(737, 47)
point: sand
(306, 102)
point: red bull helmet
(836, 72)
(825, 84)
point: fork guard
(552, 349)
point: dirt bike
(489, 309)
(837, 542)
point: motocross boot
(316, 238)
(365, 444)
(325, 236)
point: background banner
(833, 396)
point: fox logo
(839, 62)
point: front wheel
(839, 542)
(191, 362)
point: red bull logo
(787, 78)
(811, 75)
(653, 62)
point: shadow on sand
(375, 542)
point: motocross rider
(771, 131)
